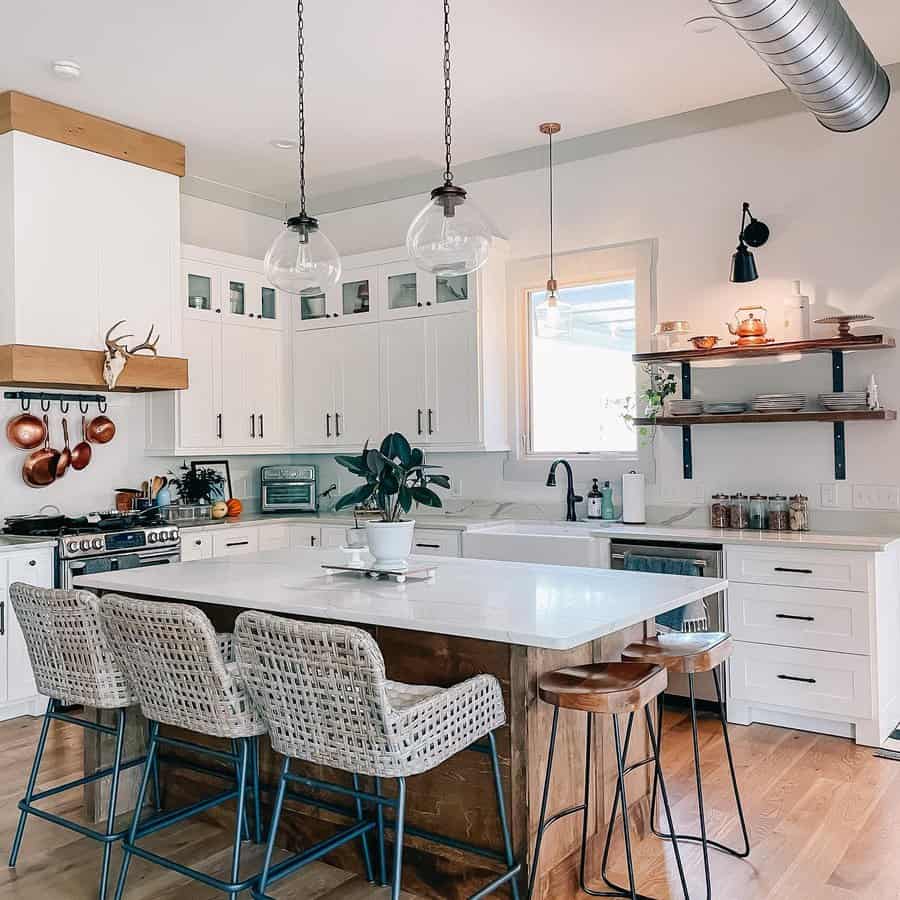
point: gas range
(85, 544)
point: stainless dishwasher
(709, 559)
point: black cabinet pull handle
(419, 420)
(2, 617)
(198, 542)
(430, 422)
(252, 425)
(32, 562)
(798, 618)
(219, 426)
(796, 678)
(430, 546)
(337, 424)
(327, 424)
(237, 543)
(312, 540)
(794, 571)
(261, 432)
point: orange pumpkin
(235, 508)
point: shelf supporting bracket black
(840, 437)
(687, 451)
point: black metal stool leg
(620, 761)
(113, 797)
(734, 785)
(700, 808)
(542, 823)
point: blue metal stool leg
(32, 781)
(360, 817)
(501, 811)
(113, 797)
(240, 827)
(236, 750)
(398, 838)
(135, 821)
(382, 856)
(257, 806)
(273, 826)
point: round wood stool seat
(603, 687)
(686, 653)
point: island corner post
(456, 799)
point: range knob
(85, 544)
(153, 537)
(97, 543)
(72, 546)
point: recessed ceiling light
(66, 68)
(703, 24)
(284, 144)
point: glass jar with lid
(798, 513)
(759, 512)
(738, 511)
(718, 511)
(778, 513)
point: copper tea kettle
(751, 327)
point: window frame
(600, 265)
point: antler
(115, 345)
(147, 344)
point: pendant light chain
(448, 174)
(301, 118)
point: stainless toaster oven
(288, 489)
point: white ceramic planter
(390, 542)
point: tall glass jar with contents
(738, 511)
(778, 513)
(798, 513)
(759, 512)
(718, 511)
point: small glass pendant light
(450, 235)
(302, 257)
(554, 317)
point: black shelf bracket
(840, 435)
(687, 449)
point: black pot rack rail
(65, 401)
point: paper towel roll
(633, 506)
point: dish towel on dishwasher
(691, 617)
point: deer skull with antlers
(117, 354)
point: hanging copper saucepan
(81, 452)
(101, 430)
(40, 467)
(65, 456)
(25, 431)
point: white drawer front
(836, 569)
(803, 680)
(274, 537)
(434, 542)
(195, 545)
(799, 617)
(234, 541)
(334, 536)
(305, 537)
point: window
(576, 378)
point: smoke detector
(67, 69)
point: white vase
(390, 542)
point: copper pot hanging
(39, 469)
(101, 430)
(81, 452)
(25, 431)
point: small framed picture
(223, 492)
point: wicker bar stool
(689, 654)
(174, 660)
(74, 666)
(324, 695)
(608, 689)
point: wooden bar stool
(689, 654)
(608, 689)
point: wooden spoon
(81, 453)
(39, 469)
(65, 457)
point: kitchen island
(512, 620)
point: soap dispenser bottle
(595, 501)
(607, 507)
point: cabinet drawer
(799, 617)
(432, 542)
(836, 569)
(195, 546)
(274, 537)
(333, 536)
(305, 536)
(815, 681)
(235, 541)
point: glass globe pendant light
(450, 235)
(302, 257)
(554, 317)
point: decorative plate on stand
(843, 323)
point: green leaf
(416, 457)
(406, 498)
(396, 446)
(374, 462)
(426, 497)
(390, 484)
(440, 480)
(358, 495)
(356, 464)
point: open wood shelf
(807, 415)
(825, 345)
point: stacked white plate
(685, 407)
(839, 401)
(724, 408)
(779, 402)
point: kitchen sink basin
(555, 543)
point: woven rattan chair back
(174, 660)
(70, 656)
(322, 691)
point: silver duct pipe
(813, 47)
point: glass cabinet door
(404, 289)
(236, 295)
(201, 293)
(452, 288)
(311, 306)
(355, 298)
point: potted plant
(198, 485)
(396, 476)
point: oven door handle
(700, 563)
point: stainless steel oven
(288, 489)
(709, 560)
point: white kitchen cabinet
(336, 396)
(18, 694)
(352, 301)
(99, 234)
(276, 536)
(404, 377)
(232, 541)
(195, 545)
(305, 537)
(333, 536)
(200, 407)
(436, 542)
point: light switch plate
(876, 496)
(835, 495)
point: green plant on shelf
(659, 385)
(396, 476)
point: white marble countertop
(10, 542)
(814, 540)
(554, 607)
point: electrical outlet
(835, 495)
(876, 496)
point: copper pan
(65, 456)
(101, 430)
(81, 452)
(26, 431)
(40, 467)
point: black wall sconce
(753, 234)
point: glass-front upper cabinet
(200, 290)
(352, 301)
(452, 292)
(310, 308)
(413, 292)
(246, 297)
